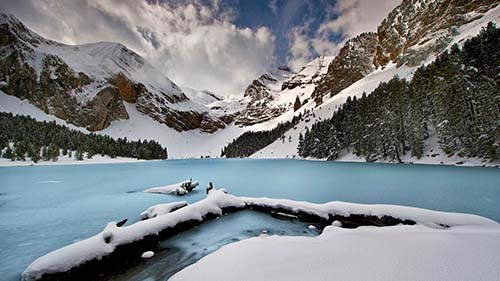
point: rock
(126, 88)
(415, 29)
(105, 108)
(107, 236)
(354, 61)
(121, 223)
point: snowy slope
(100, 61)
(278, 149)
(190, 144)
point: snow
(176, 188)
(162, 209)
(365, 253)
(104, 58)
(280, 149)
(65, 160)
(478, 236)
(24, 107)
(95, 247)
(147, 255)
(187, 144)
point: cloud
(192, 42)
(273, 5)
(344, 20)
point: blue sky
(282, 16)
(219, 45)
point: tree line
(457, 98)
(250, 142)
(23, 136)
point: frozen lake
(43, 208)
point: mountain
(272, 95)
(365, 76)
(87, 85)
(107, 88)
(417, 29)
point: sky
(218, 45)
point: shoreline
(99, 160)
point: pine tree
(296, 104)
(45, 154)
(8, 153)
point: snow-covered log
(116, 246)
(161, 209)
(180, 188)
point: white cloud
(346, 19)
(193, 43)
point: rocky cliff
(260, 97)
(353, 62)
(418, 28)
(412, 32)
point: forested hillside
(457, 97)
(47, 141)
(250, 142)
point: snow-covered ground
(288, 149)
(65, 160)
(194, 144)
(365, 253)
(188, 144)
(440, 246)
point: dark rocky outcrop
(354, 61)
(105, 108)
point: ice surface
(43, 208)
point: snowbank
(440, 224)
(180, 188)
(365, 253)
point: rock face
(354, 61)
(86, 85)
(312, 73)
(273, 94)
(418, 28)
(260, 97)
(411, 33)
(53, 88)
